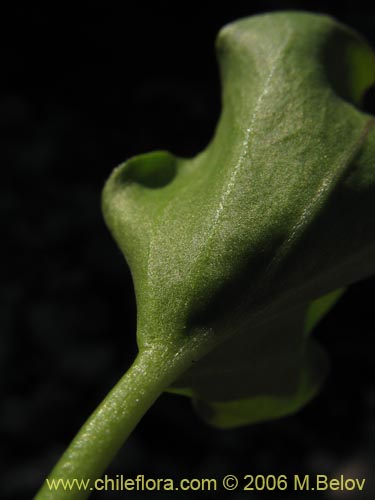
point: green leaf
(269, 405)
(229, 249)
(234, 385)
(319, 308)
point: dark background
(81, 90)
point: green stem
(108, 427)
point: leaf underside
(232, 249)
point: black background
(81, 90)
